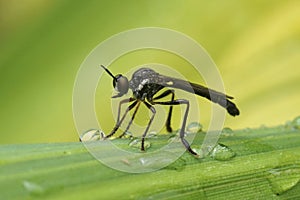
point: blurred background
(255, 44)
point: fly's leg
(119, 122)
(120, 105)
(164, 94)
(132, 118)
(178, 102)
(149, 123)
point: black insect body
(145, 83)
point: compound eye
(122, 84)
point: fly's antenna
(108, 72)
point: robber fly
(145, 83)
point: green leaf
(266, 165)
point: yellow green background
(255, 44)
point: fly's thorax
(142, 77)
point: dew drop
(174, 138)
(283, 180)
(288, 125)
(152, 134)
(199, 151)
(164, 158)
(137, 144)
(296, 123)
(209, 148)
(143, 161)
(33, 188)
(128, 134)
(194, 127)
(134, 143)
(222, 152)
(92, 135)
(227, 131)
(150, 161)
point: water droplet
(138, 143)
(222, 152)
(152, 134)
(150, 161)
(296, 123)
(92, 135)
(198, 151)
(283, 180)
(209, 148)
(174, 138)
(288, 125)
(163, 159)
(194, 127)
(33, 188)
(143, 161)
(227, 131)
(127, 135)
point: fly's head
(120, 83)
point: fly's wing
(212, 95)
